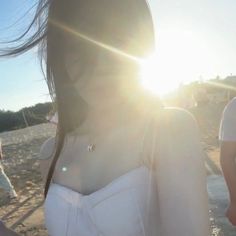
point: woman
(121, 164)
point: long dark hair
(125, 25)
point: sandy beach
(21, 149)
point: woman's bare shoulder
(177, 117)
(176, 123)
(47, 149)
(176, 112)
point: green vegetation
(28, 116)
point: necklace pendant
(91, 147)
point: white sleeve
(228, 123)
(47, 149)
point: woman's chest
(86, 171)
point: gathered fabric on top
(128, 206)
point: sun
(179, 59)
(157, 77)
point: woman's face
(101, 77)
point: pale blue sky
(22, 83)
(194, 38)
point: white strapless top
(128, 206)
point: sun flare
(156, 77)
(179, 59)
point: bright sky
(194, 38)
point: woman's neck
(109, 118)
(101, 121)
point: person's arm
(227, 138)
(228, 164)
(181, 176)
